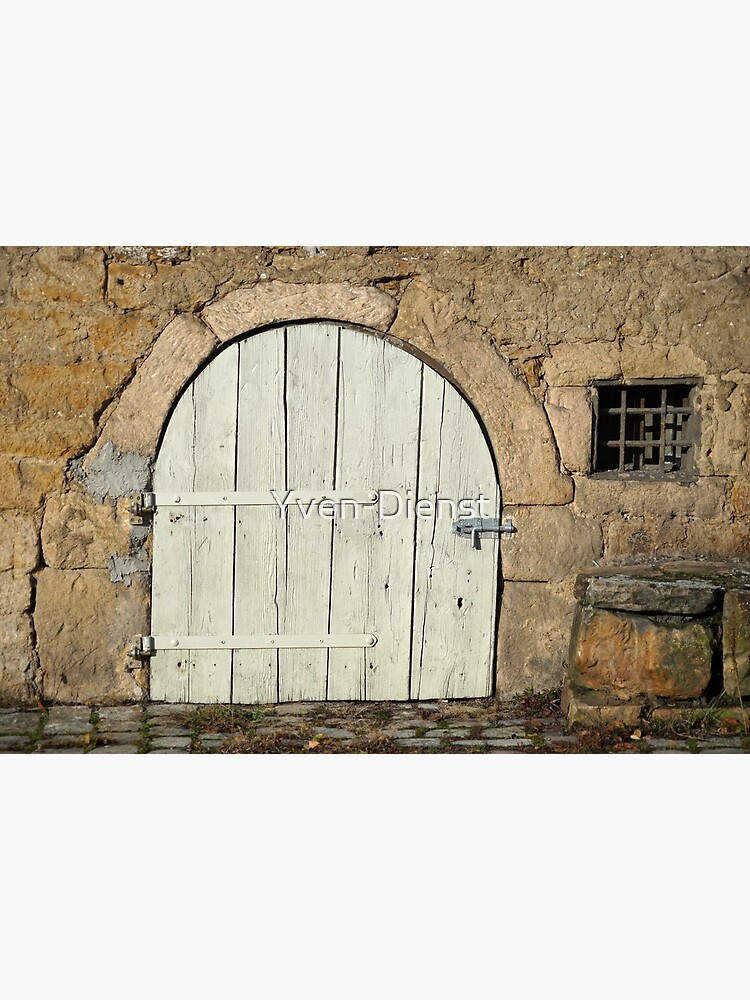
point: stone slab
(676, 597)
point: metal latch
(143, 649)
(141, 506)
(474, 527)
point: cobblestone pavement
(480, 726)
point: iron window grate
(644, 428)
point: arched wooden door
(249, 606)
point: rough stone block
(19, 541)
(83, 624)
(69, 274)
(550, 543)
(675, 597)
(640, 357)
(533, 636)
(17, 659)
(15, 593)
(736, 642)
(571, 365)
(278, 302)
(741, 497)
(629, 656)
(725, 416)
(79, 533)
(628, 536)
(569, 412)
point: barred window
(645, 428)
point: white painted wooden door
(330, 411)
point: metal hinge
(474, 527)
(141, 506)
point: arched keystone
(280, 302)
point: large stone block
(83, 622)
(19, 541)
(736, 642)
(79, 533)
(631, 656)
(569, 412)
(705, 498)
(640, 357)
(59, 407)
(628, 536)
(17, 659)
(533, 635)
(550, 543)
(572, 364)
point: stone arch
(427, 323)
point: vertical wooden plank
(378, 420)
(456, 584)
(215, 410)
(172, 556)
(311, 385)
(260, 551)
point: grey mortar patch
(122, 568)
(113, 473)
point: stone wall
(95, 344)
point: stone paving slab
(170, 743)
(120, 729)
(116, 748)
(175, 711)
(110, 738)
(19, 722)
(67, 729)
(69, 713)
(156, 732)
(11, 744)
(121, 715)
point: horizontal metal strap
(150, 643)
(265, 498)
